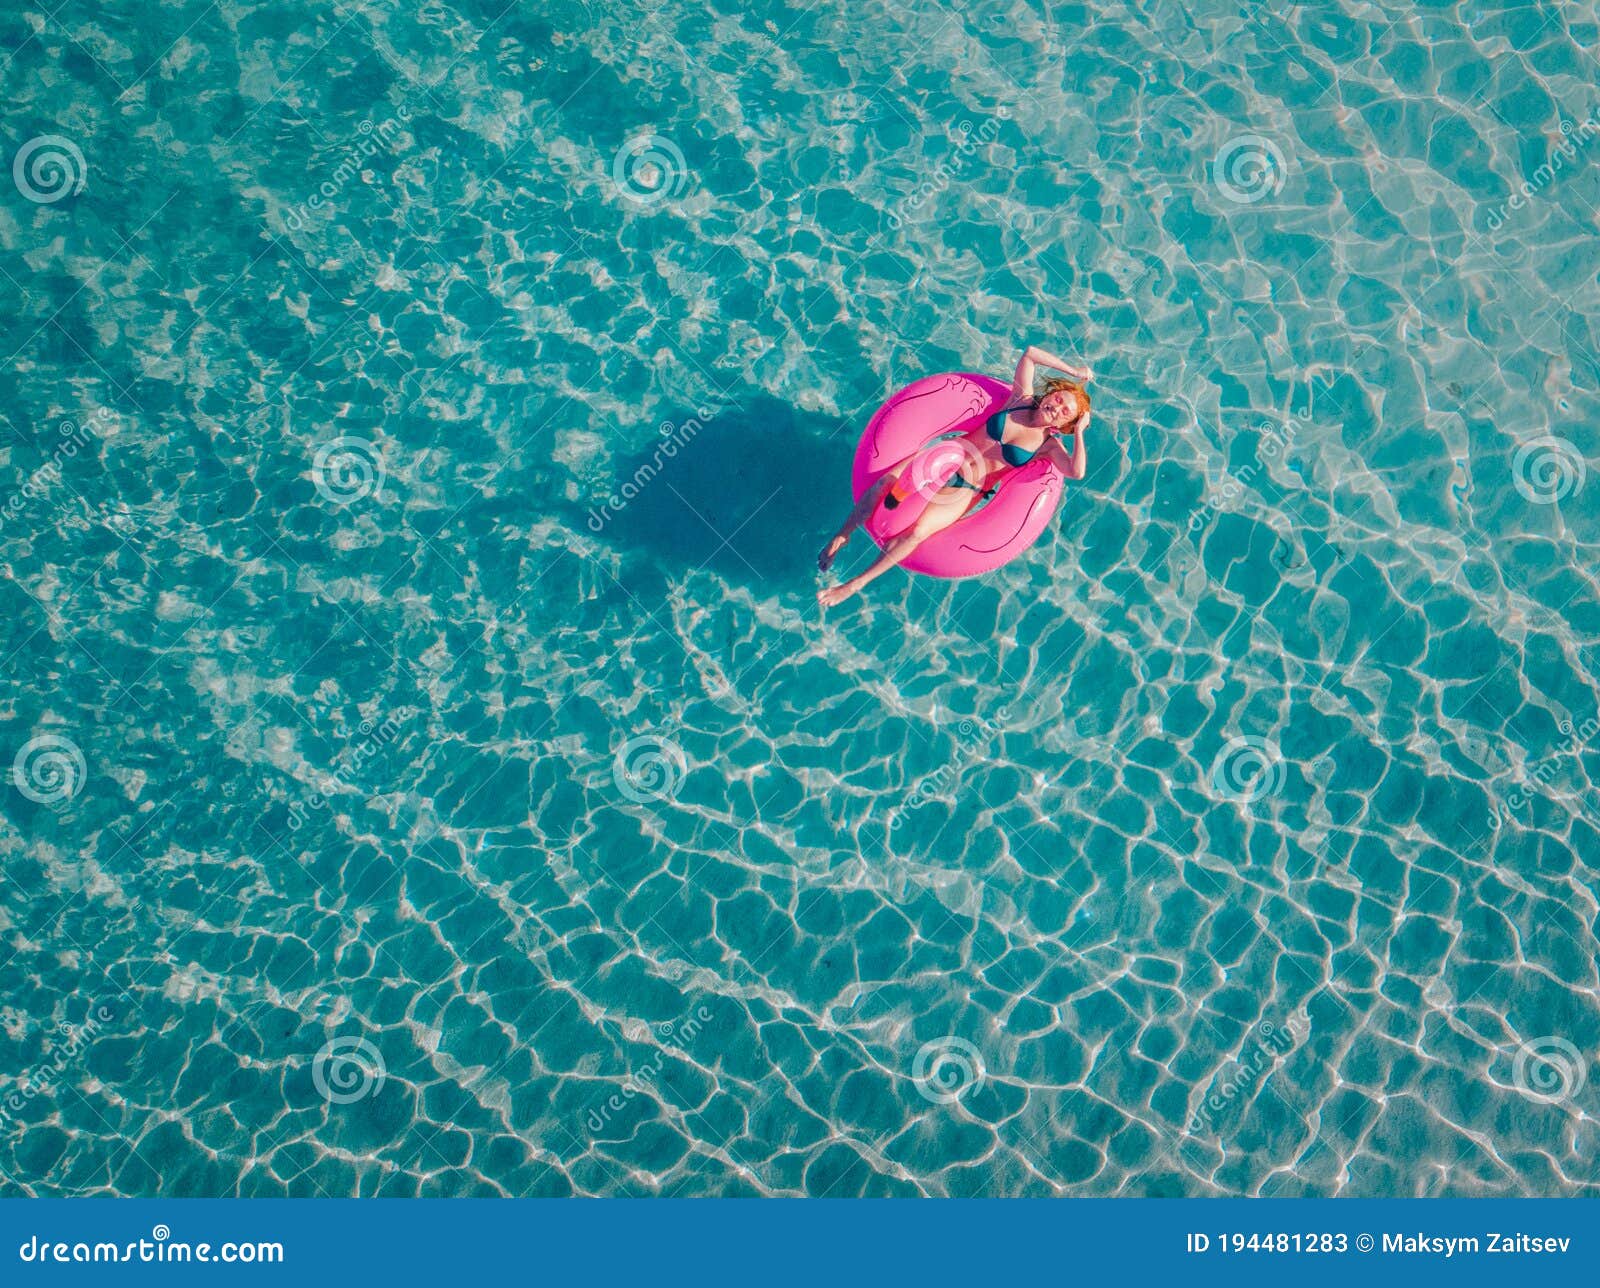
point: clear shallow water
(394, 815)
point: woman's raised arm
(1045, 359)
(1022, 382)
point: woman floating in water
(1026, 426)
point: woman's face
(1062, 407)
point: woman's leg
(873, 494)
(853, 520)
(942, 511)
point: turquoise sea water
(429, 771)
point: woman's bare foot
(825, 559)
(828, 596)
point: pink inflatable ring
(917, 422)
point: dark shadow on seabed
(750, 495)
